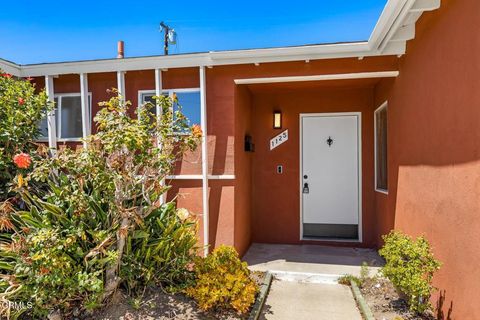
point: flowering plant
(21, 109)
(94, 217)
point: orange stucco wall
(434, 150)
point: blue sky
(48, 31)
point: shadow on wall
(440, 307)
(220, 157)
(221, 213)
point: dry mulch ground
(157, 304)
(386, 303)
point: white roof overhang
(394, 28)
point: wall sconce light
(277, 119)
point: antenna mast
(169, 36)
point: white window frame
(382, 106)
(58, 112)
(142, 93)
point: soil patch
(157, 304)
(386, 303)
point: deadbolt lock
(306, 189)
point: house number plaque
(278, 139)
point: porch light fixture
(277, 119)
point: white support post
(159, 111)
(86, 121)
(203, 115)
(121, 83)
(52, 130)
(158, 89)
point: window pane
(190, 102)
(71, 117)
(148, 97)
(43, 127)
(381, 148)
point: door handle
(306, 189)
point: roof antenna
(169, 36)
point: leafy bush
(52, 259)
(223, 281)
(94, 218)
(21, 109)
(161, 250)
(410, 266)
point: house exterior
(374, 136)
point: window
(381, 163)
(43, 128)
(189, 99)
(68, 117)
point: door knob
(306, 188)
(305, 177)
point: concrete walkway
(305, 286)
(289, 300)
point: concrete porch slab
(316, 259)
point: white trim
(382, 106)
(408, 4)
(52, 129)
(141, 93)
(321, 77)
(58, 108)
(85, 97)
(158, 90)
(159, 113)
(203, 117)
(10, 67)
(389, 14)
(360, 183)
(200, 177)
(121, 83)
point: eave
(394, 28)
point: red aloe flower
(6, 75)
(21, 101)
(22, 160)
(29, 78)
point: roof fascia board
(291, 51)
(10, 67)
(397, 24)
(201, 59)
(425, 5)
(385, 22)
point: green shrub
(94, 219)
(223, 281)
(161, 250)
(410, 266)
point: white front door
(330, 190)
